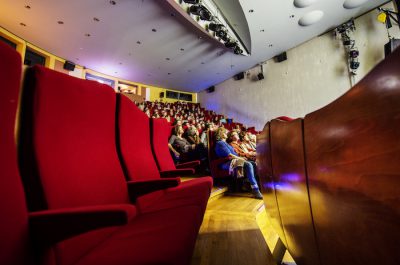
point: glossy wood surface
(265, 173)
(289, 176)
(353, 161)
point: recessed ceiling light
(28, 7)
(202, 62)
(189, 71)
(291, 16)
(232, 65)
(22, 24)
(138, 42)
(311, 18)
(116, 72)
(154, 30)
(262, 30)
(80, 48)
(303, 3)
(87, 35)
(120, 63)
(60, 22)
(270, 45)
(167, 59)
(182, 49)
(169, 73)
(251, 10)
(130, 54)
(96, 19)
(113, 3)
(77, 59)
(350, 4)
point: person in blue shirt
(223, 149)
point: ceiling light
(354, 53)
(350, 4)
(354, 65)
(311, 18)
(237, 50)
(230, 44)
(303, 3)
(201, 11)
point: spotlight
(237, 50)
(215, 27)
(223, 34)
(354, 65)
(201, 11)
(230, 44)
(354, 53)
(192, 2)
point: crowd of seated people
(189, 138)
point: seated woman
(181, 147)
(239, 146)
(223, 149)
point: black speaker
(391, 46)
(70, 66)
(260, 76)
(161, 94)
(239, 76)
(210, 89)
(281, 57)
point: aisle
(230, 235)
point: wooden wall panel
(291, 190)
(353, 159)
(264, 168)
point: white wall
(315, 74)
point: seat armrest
(177, 172)
(220, 160)
(191, 164)
(52, 226)
(137, 188)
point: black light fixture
(354, 53)
(192, 2)
(230, 44)
(215, 26)
(354, 65)
(201, 11)
(237, 50)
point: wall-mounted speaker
(70, 66)
(161, 94)
(210, 89)
(281, 57)
(239, 76)
(391, 46)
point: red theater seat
(160, 133)
(69, 159)
(137, 157)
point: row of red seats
(77, 203)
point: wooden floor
(230, 234)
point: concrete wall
(315, 74)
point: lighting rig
(208, 16)
(353, 53)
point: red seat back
(70, 123)
(14, 219)
(161, 132)
(134, 141)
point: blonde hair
(219, 133)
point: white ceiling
(193, 63)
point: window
(180, 96)
(186, 97)
(32, 58)
(172, 94)
(7, 41)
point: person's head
(178, 130)
(220, 134)
(233, 136)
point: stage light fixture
(237, 50)
(223, 34)
(354, 65)
(192, 2)
(230, 44)
(201, 11)
(354, 53)
(215, 26)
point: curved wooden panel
(353, 158)
(291, 190)
(264, 169)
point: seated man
(223, 149)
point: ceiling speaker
(239, 76)
(210, 89)
(281, 57)
(70, 66)
(260, 76)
